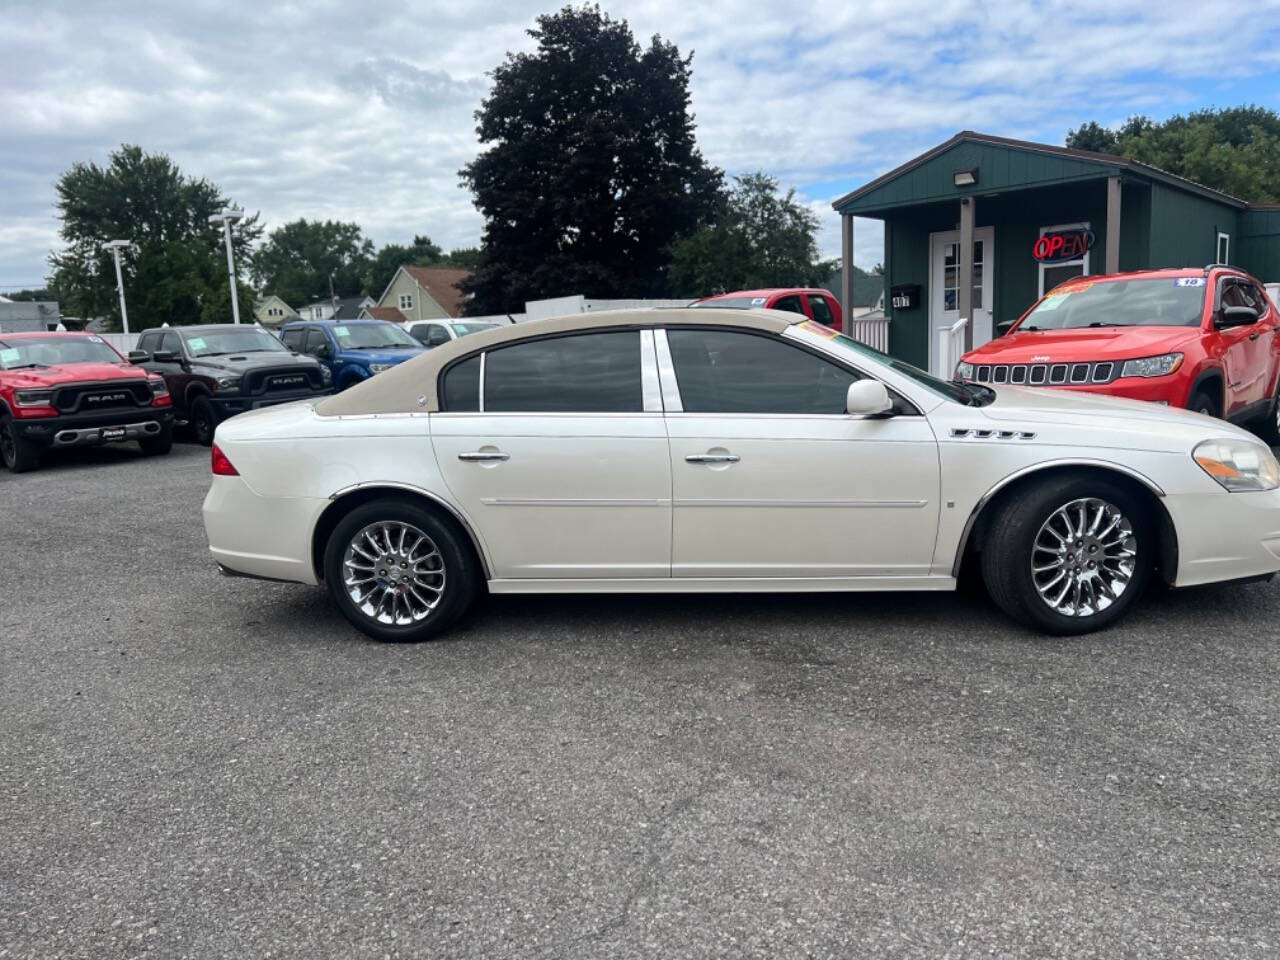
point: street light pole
(228, 216)
(115, 246)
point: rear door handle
(712, 458)
(483, 455)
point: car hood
(73, 373)
(381, 356)
(236, 363)
(1087, 344)
(1115, 420)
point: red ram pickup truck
(816, 304)
(1204, 338)
(74, 389)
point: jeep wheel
(1201, 402)
(204, 421)
(399, 572)
(19, 455)
(1070, 555)
(158, 444)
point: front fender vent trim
(982, 433)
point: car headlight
(379, 367)
(159, 388)
(228, 383)
(325, 375)
(1160, 366)
(964, 371)
(33, 398)
(1238, 465)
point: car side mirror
(164, 356)
(867, 398)
(139, 356)
(1238, 316)
(324, 352)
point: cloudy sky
(362, 110)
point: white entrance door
(944, 287)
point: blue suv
(353, 350)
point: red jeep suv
(1202, 338)
(73, 389)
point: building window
(1224, 248)
(406, 301)
(1052, 274)
(951, 275)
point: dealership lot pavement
(192, 766)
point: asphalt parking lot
(192, 766)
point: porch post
(1113, 224)
(846, 276)
(965, 265)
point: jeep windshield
(1144, 302)
(216, 343)
(54, 351)
(373, 336)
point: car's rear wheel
(204, 420)
(399, 572)
(159, 444)
(1069, 555)
(19, 455)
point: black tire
(159, 444)
(1011, 545)
(1201, 402)
(1269, 427)
(204, 421)
(19, 455)
(458, 584)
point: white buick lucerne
(726, 450)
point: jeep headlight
(228, 383)
(1160, 366)
(1238, 464)
(964, 371)
(379, 367)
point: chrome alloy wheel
(393, 573)
(1083, 557)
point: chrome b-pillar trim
(667, 374)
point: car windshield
(462, 329)
(1144, 302)
(970, 394)
(372, 336)
(215, 343)
(741, 303)
(50, 351)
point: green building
(1004, 196)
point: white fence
(124, 342)
(871, 329)
(950, 348)
(564, 306)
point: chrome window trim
(667, 373)
(480, 388)
(650, 380)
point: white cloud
(363, 110)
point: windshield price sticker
(196, 343)
(1189, 282)
(8, 356)
(341, 331)
(757, 301)
(95, 339)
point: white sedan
(726, 450)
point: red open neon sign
(1063, 245)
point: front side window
(583, 373)
(293, 339)
(791, 304)
(171, 343)
(148, 342)
(215, 343)
(437, 335)
(315, 343)
(721, 371)
(821, 310)
(36, 352)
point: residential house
(320, 310)
(348, 308)
(425, 293)
(271, 311)
(868, 292)
(389, 314)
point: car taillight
(222, 467)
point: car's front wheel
(204, 420)
(19, 455)
(398, 571)
(1069, 555)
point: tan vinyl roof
(410, 387)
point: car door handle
(483, 455)
(712, 458)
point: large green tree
(178, 272)
(760, 238)
(1236, 150)
(590, 168)
(298, 259)
(421, 253)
